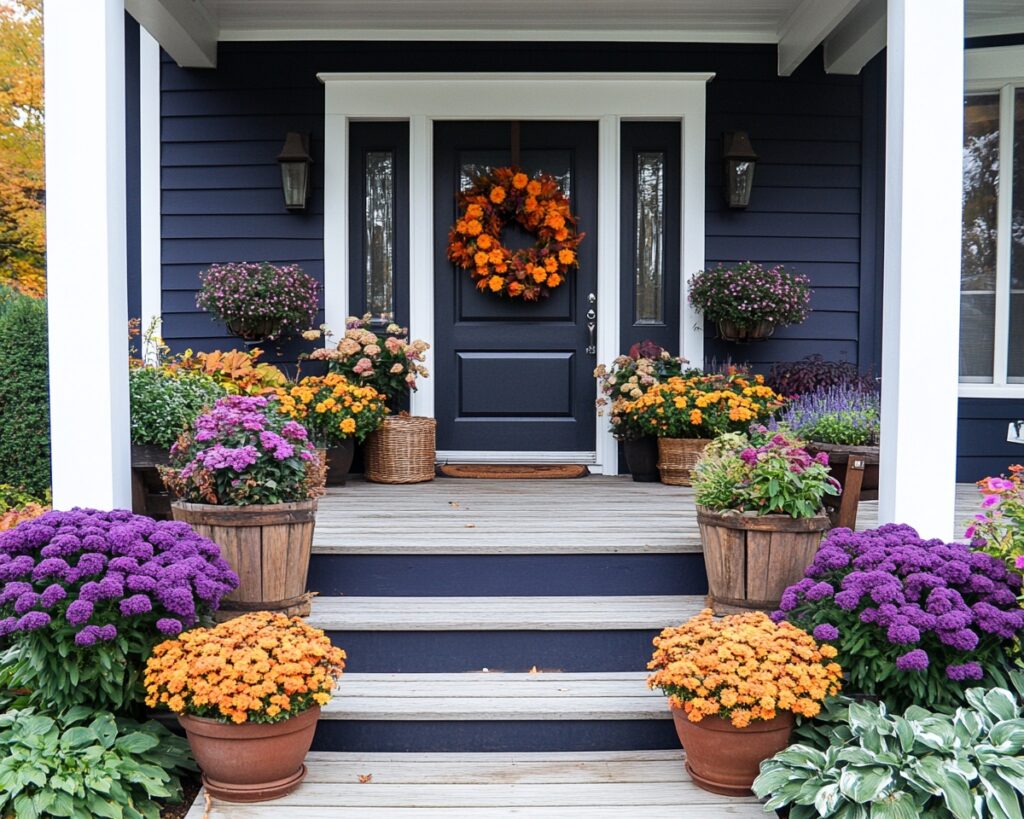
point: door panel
(514, 375)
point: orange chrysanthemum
(498, 195)
(519, 181)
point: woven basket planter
(403, 450)
(677, 457)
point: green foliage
(767, 472)
(845, 428)
(165, 404)
(876, 765)
(25, 397)
(84, 764)
(12, 497)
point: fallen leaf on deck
(453, 504)
(471, 526)
(364, 778)
(534, 670)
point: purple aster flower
(962, 640)
(33, 621)
(135, 605)
(820, 591)
(848, 599)
(902, 634)
(965, 671)
(79, 612)
(7, 625)
(51, 595)
(107, 632)
(87, 636)
(169, 626)
(826, 631)
(26, 602)
(916, 660)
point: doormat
(514, 472)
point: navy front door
(514, 375)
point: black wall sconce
(739, 161)
(295, 164)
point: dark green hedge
(24, 396)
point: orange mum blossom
(259, 667)
(702, 405)
(540, 207)
(743, 668)
(332, 408)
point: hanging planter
(740, 333)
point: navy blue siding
(223, 128)
(981, 444)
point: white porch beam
(806, 27)
(921, 313)
(184, 28)
(86, 258)
(857, 39)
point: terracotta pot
(268, 545)
(752, 559)
(251, 762)
(731, 331)
(642, 459)
(339, 461)
(724, 759)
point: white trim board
(607, 98)
(992, 67)
(151, 294)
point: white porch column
(86, 265)
(921, 314)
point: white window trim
(607, 98)
(998, 70)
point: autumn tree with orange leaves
(22, 190)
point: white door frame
(607, 98)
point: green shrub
(870, 764)
(164, 405)
(85, 763)
(25, 397)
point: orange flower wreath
(539, 205)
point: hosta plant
(85, 764)
(921, 765)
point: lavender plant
(86, 595)
(922, 618)
(245, 451)
(842, 414)
(750, 293)
(259, 300)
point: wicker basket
(402, 450)
(677, 457)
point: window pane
(649, 180)
(379, 224)
(1015, 359)
(978, 249)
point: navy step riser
(513, 735)
(436, 652)
(506, 575)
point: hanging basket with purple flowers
(85, 595)
(925, 619)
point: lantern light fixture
(739, 161)
(295, 163)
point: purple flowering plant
(765, 472)
(245, 451)
(843, 414)
(85, 595)
(750, 293)
(998, 528)
(259, 300)
(918, 621)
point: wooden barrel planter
(149, 495)
(856, 469)
(267, 545)
(677, 457)
(752, 559)
(403, 450)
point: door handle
(592, 331)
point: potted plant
(248, 477)
(749, 301)
(403, 449)
(259, 301)
(84, 596)
(687, 412)
(337, 415)
(627, 379)
(998, 529)
(164, 403)
(842, 421)
(248, 693)
(924, 618)
(734, 685)
(759, 508)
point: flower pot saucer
(716, 787)
(256, 792)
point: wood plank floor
(590, 515)
(579, 785)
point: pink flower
(990, 501)
(363, 366)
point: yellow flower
(348, 426)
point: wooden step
(483, 696)
(653, 612)
(577, 785)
